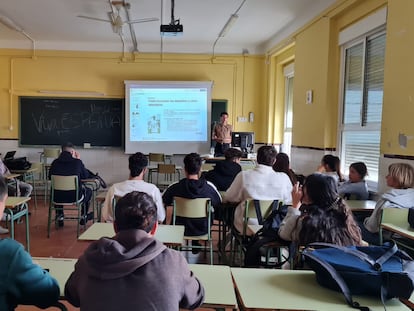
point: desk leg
(26, 178)
(27, 229)
(94, 186)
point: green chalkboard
(53, 121)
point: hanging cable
(226, 28)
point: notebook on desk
(9, 155)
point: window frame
(289, 75)
(362, 125)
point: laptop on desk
(9, 155)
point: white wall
(305, 161)
(111, 164)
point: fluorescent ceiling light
(9, 23)
(230, 22)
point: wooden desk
(218, 284)
(59, 268)
(167, 234)
(361, 205)
(403, 230)
(21, 202)
(26, 173)
(11, 176)
(265, 289)
(215, 279)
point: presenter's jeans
(220, 149)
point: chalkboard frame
(105, 110)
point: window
(287, 133)
(363, 84)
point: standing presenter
(222, 135)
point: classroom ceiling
(53, 24)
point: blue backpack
(382, 271)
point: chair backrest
(166, 169)
(191, 208)
(51, 153)
(250, 210)
(156, 157)
(65, 183)
(395, 216)
(39, 169)
(265, 208)
(115, 199)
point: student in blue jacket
(22, 281)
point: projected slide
(168, 114)
(172, 117)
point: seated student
(282, 165)
(133, 270)
(331, 166)
(17, 188)
(319, 214)
(24, 189)
(224, 172)
(401, 179)
(22, 281)
(192, 187)
(356, 187)
(138, 163)
(260, 183)
(69, 163)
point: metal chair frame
(195, 208)
(65, 183)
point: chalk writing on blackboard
(46, 121)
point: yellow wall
(317, 67)
(249, 83)
(398, 108)
(239, 79)
(311, 73)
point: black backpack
(96, 176)
(18, 164)
(271, 223)
(261, 251)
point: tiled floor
(63, 242)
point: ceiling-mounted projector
(171, 30)
(174, 28)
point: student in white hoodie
(401, 178)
